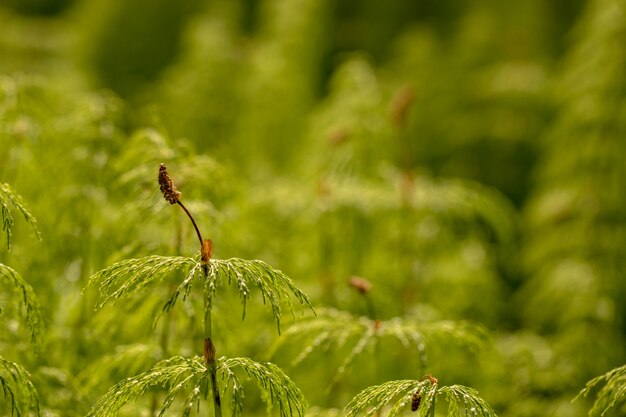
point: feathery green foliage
(131, 275)
(610, 395)
(420, 395)
(18, 389)
(331, 139)
(128, 276)
(173, 374)
(8, 199)
(274, 285)
(126, 360)
(333, 330)
(177, 374)
(277, 388)
(29, 300)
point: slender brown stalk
(172, 196)
(195, 226)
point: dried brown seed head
(360, 284)
(170, 193)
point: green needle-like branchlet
(611, 394)
(8, 199)
(185, 378)
(18, 389)
(28, 300)
(333, 331)
(396, 397)
(128, 276)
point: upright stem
(209, 351)
(172, 196)
(369, 305)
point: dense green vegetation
(410, 208)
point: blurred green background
(468, 158)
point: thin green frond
(131, 275)
(17, 388)
(28, 299)
(276, 387)
(470, 336)
(275, 287)
(359, 347)
(173, 374)
(329, 331)
(333, 330)
(8, 199)
(418, 396)
(451, 200)
(463, 401)
(184, 287)
(126, 360)
(371, 400)
(613, 392)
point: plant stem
(195, 226)
(369, 305)
(206, 249)
(209, 349)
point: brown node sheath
(209, 351)
(170, 193)
(206, 251)
(431, 378)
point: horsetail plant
(15, 381)
(207, 373)
(396, 397)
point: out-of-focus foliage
(465, 159)
(611, 394)
(18, 391)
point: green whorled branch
(28, 299)
(184, 378)
(611, 394)
(278, 389)
(173, 374)
(333, 330)
(8, 199)
(129, 276)
(127, 359)
(275, 287)
(18, 389)
(397, 397)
